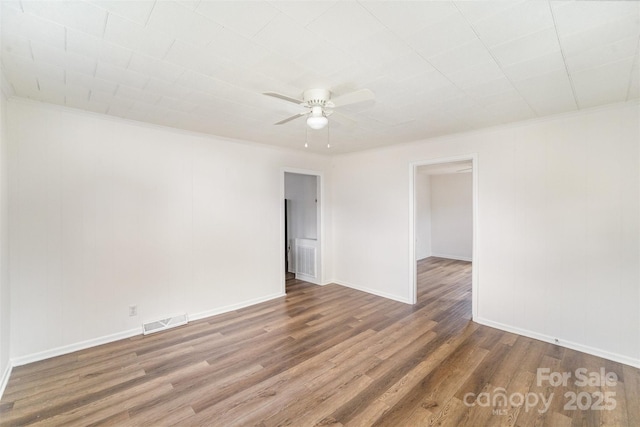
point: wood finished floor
(321, 356)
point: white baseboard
(231, 307)
(568, 344)
(59, 351)
(4, 380)
(310, 279)
(373, 291)
(456, 257)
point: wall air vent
(166, 323)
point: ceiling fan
(319, 104)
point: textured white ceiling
(435, 67)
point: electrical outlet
(133, 310)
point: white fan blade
(284, 97)
(353, 97)
(281, 122)
(342, 119)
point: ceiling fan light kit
(317, 123)
(317, 119)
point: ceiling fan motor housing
(316, 97)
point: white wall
(452, 216)
(5, 302)
(558, 225)
(107, 213)
(423, 215)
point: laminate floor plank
(432, 393)
(324, 355)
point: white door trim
(320, 219)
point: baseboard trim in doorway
(373, 292)
(307, 278)
(568, 344)
(455, 257)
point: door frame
(319, 218)
(475, 284)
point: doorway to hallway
(444, 216)
(301, 226)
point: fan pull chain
(306, 137)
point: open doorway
(301, 228)
(443, 221)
